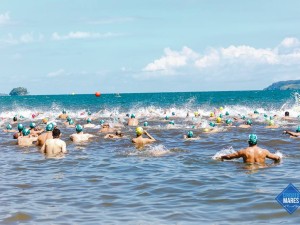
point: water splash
(223, 152)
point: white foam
(223, 152)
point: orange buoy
(97, 94)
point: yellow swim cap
(221, 108)
(139, 130)
(45, 120)
(206, 130)
(219, 120)
(196, 113)
(211, 114)
(271, 123)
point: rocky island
(285, 85)
(19, 91)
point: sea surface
(172, 181)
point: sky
(134, 46)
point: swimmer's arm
(291, 133)
(269, 155)
(232, 156)
(43, 148)
(64, 148)
(149, 136)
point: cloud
(111, 20)
(83, 35)
(57, 73)
(287, 53)
(26, 38)
(4, 18)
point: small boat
(118, 95)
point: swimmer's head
(221, 116)
(20, 127)
(256, 112)
(101, 122)
(68, 119)
(243, 117)
(15, 119)
(271, 118)
(89, 113)
(8, 127)
(25, 132)
(139, 131)
(132, 116)
(71, 122)
(145, 124)
(211, 114)
(221, 108)
(228, 121)
(190, 134)
(64, 111)
(119, 133)
(287, 113)
(88, 120)
(32, 125)
(205, 129)
(265, 115)
(298, 129)
(219, 120)
(172, 122)
(249, 122)
(173, 113)
(167, 117)
(252, 139)
(105, 125)
(196, 113)
(127, 114)
(212, 124)
(56, 133)
(79, 128)
(227, 113)
(45, 120)
(49, 127)
(271, 123)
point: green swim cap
(256, 112)
(172, 122)
(243, 117)
(49, 127)
(190, 134)
(64, 111)
(173, 113)
(212, 124)
(8, 127)
(101, 122)
(167, 117)
(32, 125)
(298, 129)
(89, 113)
(271, 117)
(20, 127)
(22, 117)
(88, 120)
(249, 122)
(252, 139)
(78, 128)
(265, 115)
(145, 124)
(71, 122)
(227, 113)
(25, 132)
(228, 121)
(68, 119)
(221, 116)
(132, 116)
(193, 127)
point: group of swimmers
(51, 144)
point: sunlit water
(172, 181)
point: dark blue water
(172, 181)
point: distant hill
(285, 85)
(18, 91)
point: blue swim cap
(172, 122)
(132, 116)
(49, 127)
(252, 139)
(212, 124)
(228, 121)
(20, 127)
(227, 113)
(190, 134)
(8, 127)
(71, 122)
(32, 125)
(167, 117)
(88, 120)
(78, 128)
(101, 122)
(249, 122)
(298, 129)
(145, 124)
(25, 132)
(173, 113)
(68, 119)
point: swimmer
(287, 116)
(219, 120)
(9, 129)
(252, 154)
(54, 147)
(66, 123)
(171, 125)
(26, 139)
(272, 125)
(106, 128)
(254, 115)
(89, 124)
(139, 140)
(79, 136)
(229, 123)
(118, 134)
(63, 115)
(15, 120)
(293, 134)
(190, 136)
(45, 136)
(247, 124)
(18, 134)
(70, 123)
(34, 130)
(132, 121)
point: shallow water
(172, 181)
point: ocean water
(172, 181)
